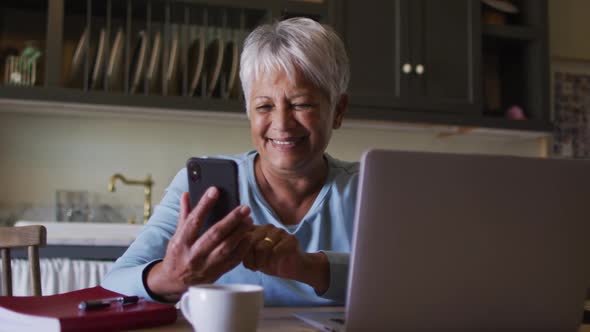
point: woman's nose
(283, 118)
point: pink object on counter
(515, 113)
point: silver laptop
(448, 242)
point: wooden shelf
(463, 120)
(510, 32)
(66, 95)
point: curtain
(58, 275)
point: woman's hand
(276, 252)
(190, 259)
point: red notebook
(60, 313)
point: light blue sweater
(327, 227)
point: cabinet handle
(407, 68)
(419, 69)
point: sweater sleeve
(338, 276)
(340, 218)
(127, 274)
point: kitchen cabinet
(442, 52)
(376, 45)
(515, 64)
(424, 61)
(166, 54)
(410, 55)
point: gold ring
(269, 240)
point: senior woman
(292, 233)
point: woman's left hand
(276, 252)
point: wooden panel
(447, 52)
(54, 43)
(35, 270)
(15, 237)
(6, 273)
(373, 34)
(11, 237)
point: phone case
(221, 173)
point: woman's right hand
(193, 260)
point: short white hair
(296, 44)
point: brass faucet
(147, 189)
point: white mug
(221, 308)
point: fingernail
(212, 192)
(244, 210)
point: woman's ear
(341, 107)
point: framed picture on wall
(570, 85)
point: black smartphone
(221, 173)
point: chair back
(31, 237)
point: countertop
(88, 234)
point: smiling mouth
(287, 142)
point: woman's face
(291, 122)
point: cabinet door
(444, 39)
(373, 34)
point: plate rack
(155, 47)
(101, 52)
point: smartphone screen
(221, 173)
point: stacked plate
(210, 65)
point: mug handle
(184, 307)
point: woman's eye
(303, 106)
(264, 108)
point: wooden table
(272, 320)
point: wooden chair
(31, 237)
